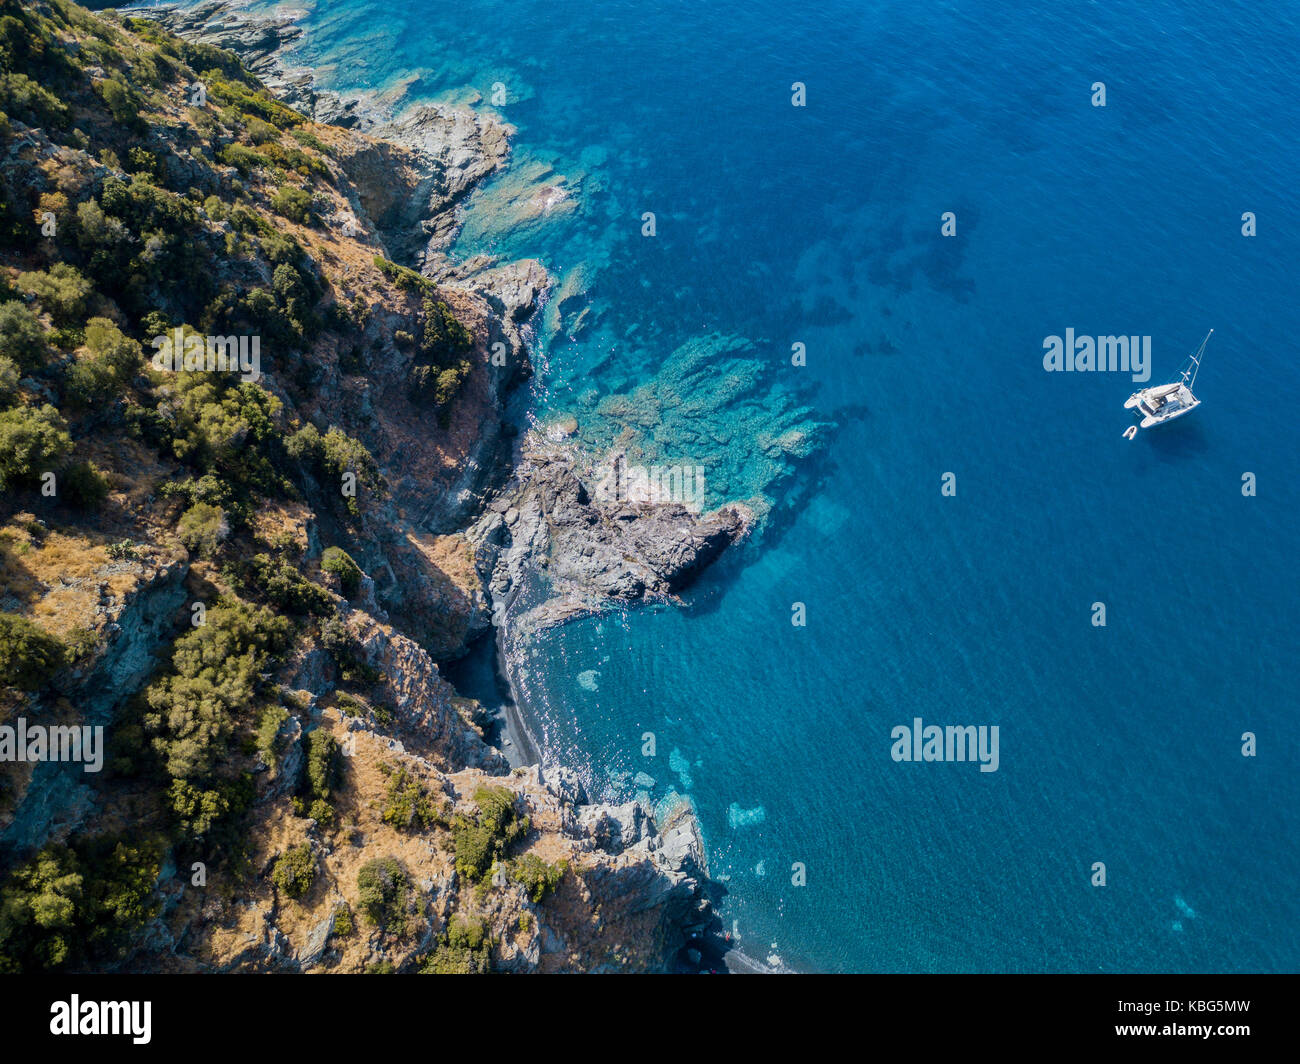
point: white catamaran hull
(1168, 401)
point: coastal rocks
(460, 147)
(258, 40)
(411, 173)
(615, 828)
(255, 39)
(562, 782)
(416, 163)
(595, 552)
(514, 290)
(628, 911)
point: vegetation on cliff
(169, 286)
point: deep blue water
(821, 225)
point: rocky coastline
(524, 504)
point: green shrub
(384, 890)
(293, 203)
(260, 132)
(284, 586)
(104, 239)
(321, 812)
(70, 903)
(481, 839)
(143, 161)
(342, 926)
(242, 158)
(337, 640)
(538, 877)
(268, 733)
(402, 276)
(105, 341)
(464, 949)
(339, 563)
(84, 485)
(120, 549)
(29, 101)
(441, 365)
(435, 386)
(9, 380)
(197, 810)
(408, 805)
(322, 764)
(61, 290)
(444, 339)
(203, 528)
(248, 97)
(193, 711)
(331, 456)
(89, 383)
(123, 102)
(28, 654)
(295, 870)
(309, 140)
(21, 336)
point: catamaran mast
(1196, 360)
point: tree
(62, 290)
(21, 336)
(32, 441)
(192, 712)
(481, 839)
(295, 870)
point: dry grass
(59, 578)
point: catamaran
(1168, 401)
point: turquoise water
(820, 225)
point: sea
(819, 252)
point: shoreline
(515, 731)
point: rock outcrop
(593, 552)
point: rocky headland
(457, 515)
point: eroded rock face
(56, 798)
(424, 703)
(412, 171)
(516, 289)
